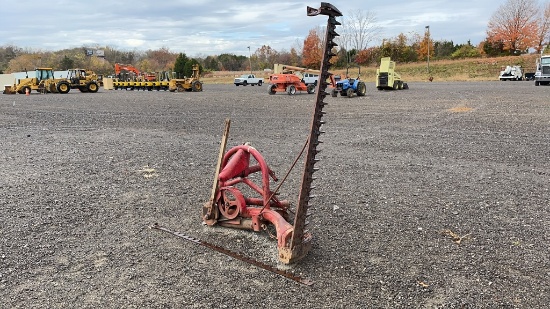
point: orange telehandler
(290, 79)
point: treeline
(402, 49)
(16, 59)
(405, 50)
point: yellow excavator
(44, 82)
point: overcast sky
(210, 27)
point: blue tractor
(349, 87)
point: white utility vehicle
(248, 79)
(511, 72)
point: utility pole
(250, 59)
(428, 32)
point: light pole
(428, 32)
(250, 59)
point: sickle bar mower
(230, 206)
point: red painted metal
(234, 207)
(282, 82)
(235, 165)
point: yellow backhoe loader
(44, 82)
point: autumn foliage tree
(25, 62)
(265, 57)
(312, 53)
(424, 45)
(399, 49)
(7, 53)
(161, 59)
(368, 56)
(362, 57)
(543, 34)
(515, 23)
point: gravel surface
(432, 197)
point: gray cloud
(215, 27)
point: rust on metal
(301, 238)
(237, 255)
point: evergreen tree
(188, 69)
(179, 66)
(443, 49)
(211, 63)
(493, 48)
(67, 63)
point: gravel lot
(85, 175)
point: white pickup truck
(248, 79)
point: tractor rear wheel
(291, 90)
(196, 86)
(361, 89)
(310, 88)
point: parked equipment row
(161, 82)
(45, 82)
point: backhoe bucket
(8, 90)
